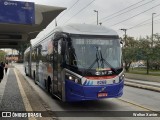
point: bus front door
(57, 77)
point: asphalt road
(134, 99)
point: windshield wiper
(96, 60)
(100, 58)
(104, 61)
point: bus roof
(28, 49)
(86, 29)
(83, 29)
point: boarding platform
(17, 96)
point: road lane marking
(137, 105)
(24, 97)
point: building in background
(11, 58)
(9, 55)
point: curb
(142, 77)
(147, 84)
(147, 87)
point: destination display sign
(17, 12)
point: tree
(129, 52)
(140, 49)
(2, 55)
(155, 64)
(145, 50)
(21, 49)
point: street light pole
(151, 45)
(152, 29)
(125, 36)
(97, 15)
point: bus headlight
(70, 78)
(121, 77)
(73, 78)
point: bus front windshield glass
(95, 52)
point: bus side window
(40, 52)
(37, 53)
(72, 59)
(59, 51)
(33, 55)
(55, 53)
(51, 57)
(67, 56)
(48, 58)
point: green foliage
(2, 55)
(21, 50)
(129, 52)
(142, 49)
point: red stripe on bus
(101, 77)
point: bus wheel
(49, 85)
(26, 72)
(34, 77)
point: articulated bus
(77, 62)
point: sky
(115, 14)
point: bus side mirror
(121, 41)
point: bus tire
(26, 72)
(34, 77)
(49, 89)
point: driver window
(72, 57)
(59, 51)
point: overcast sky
(132, 16)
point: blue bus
(77, 62)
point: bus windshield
(93, 52)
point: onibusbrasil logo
(21, 114)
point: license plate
(102, 94)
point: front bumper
(76, 92)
